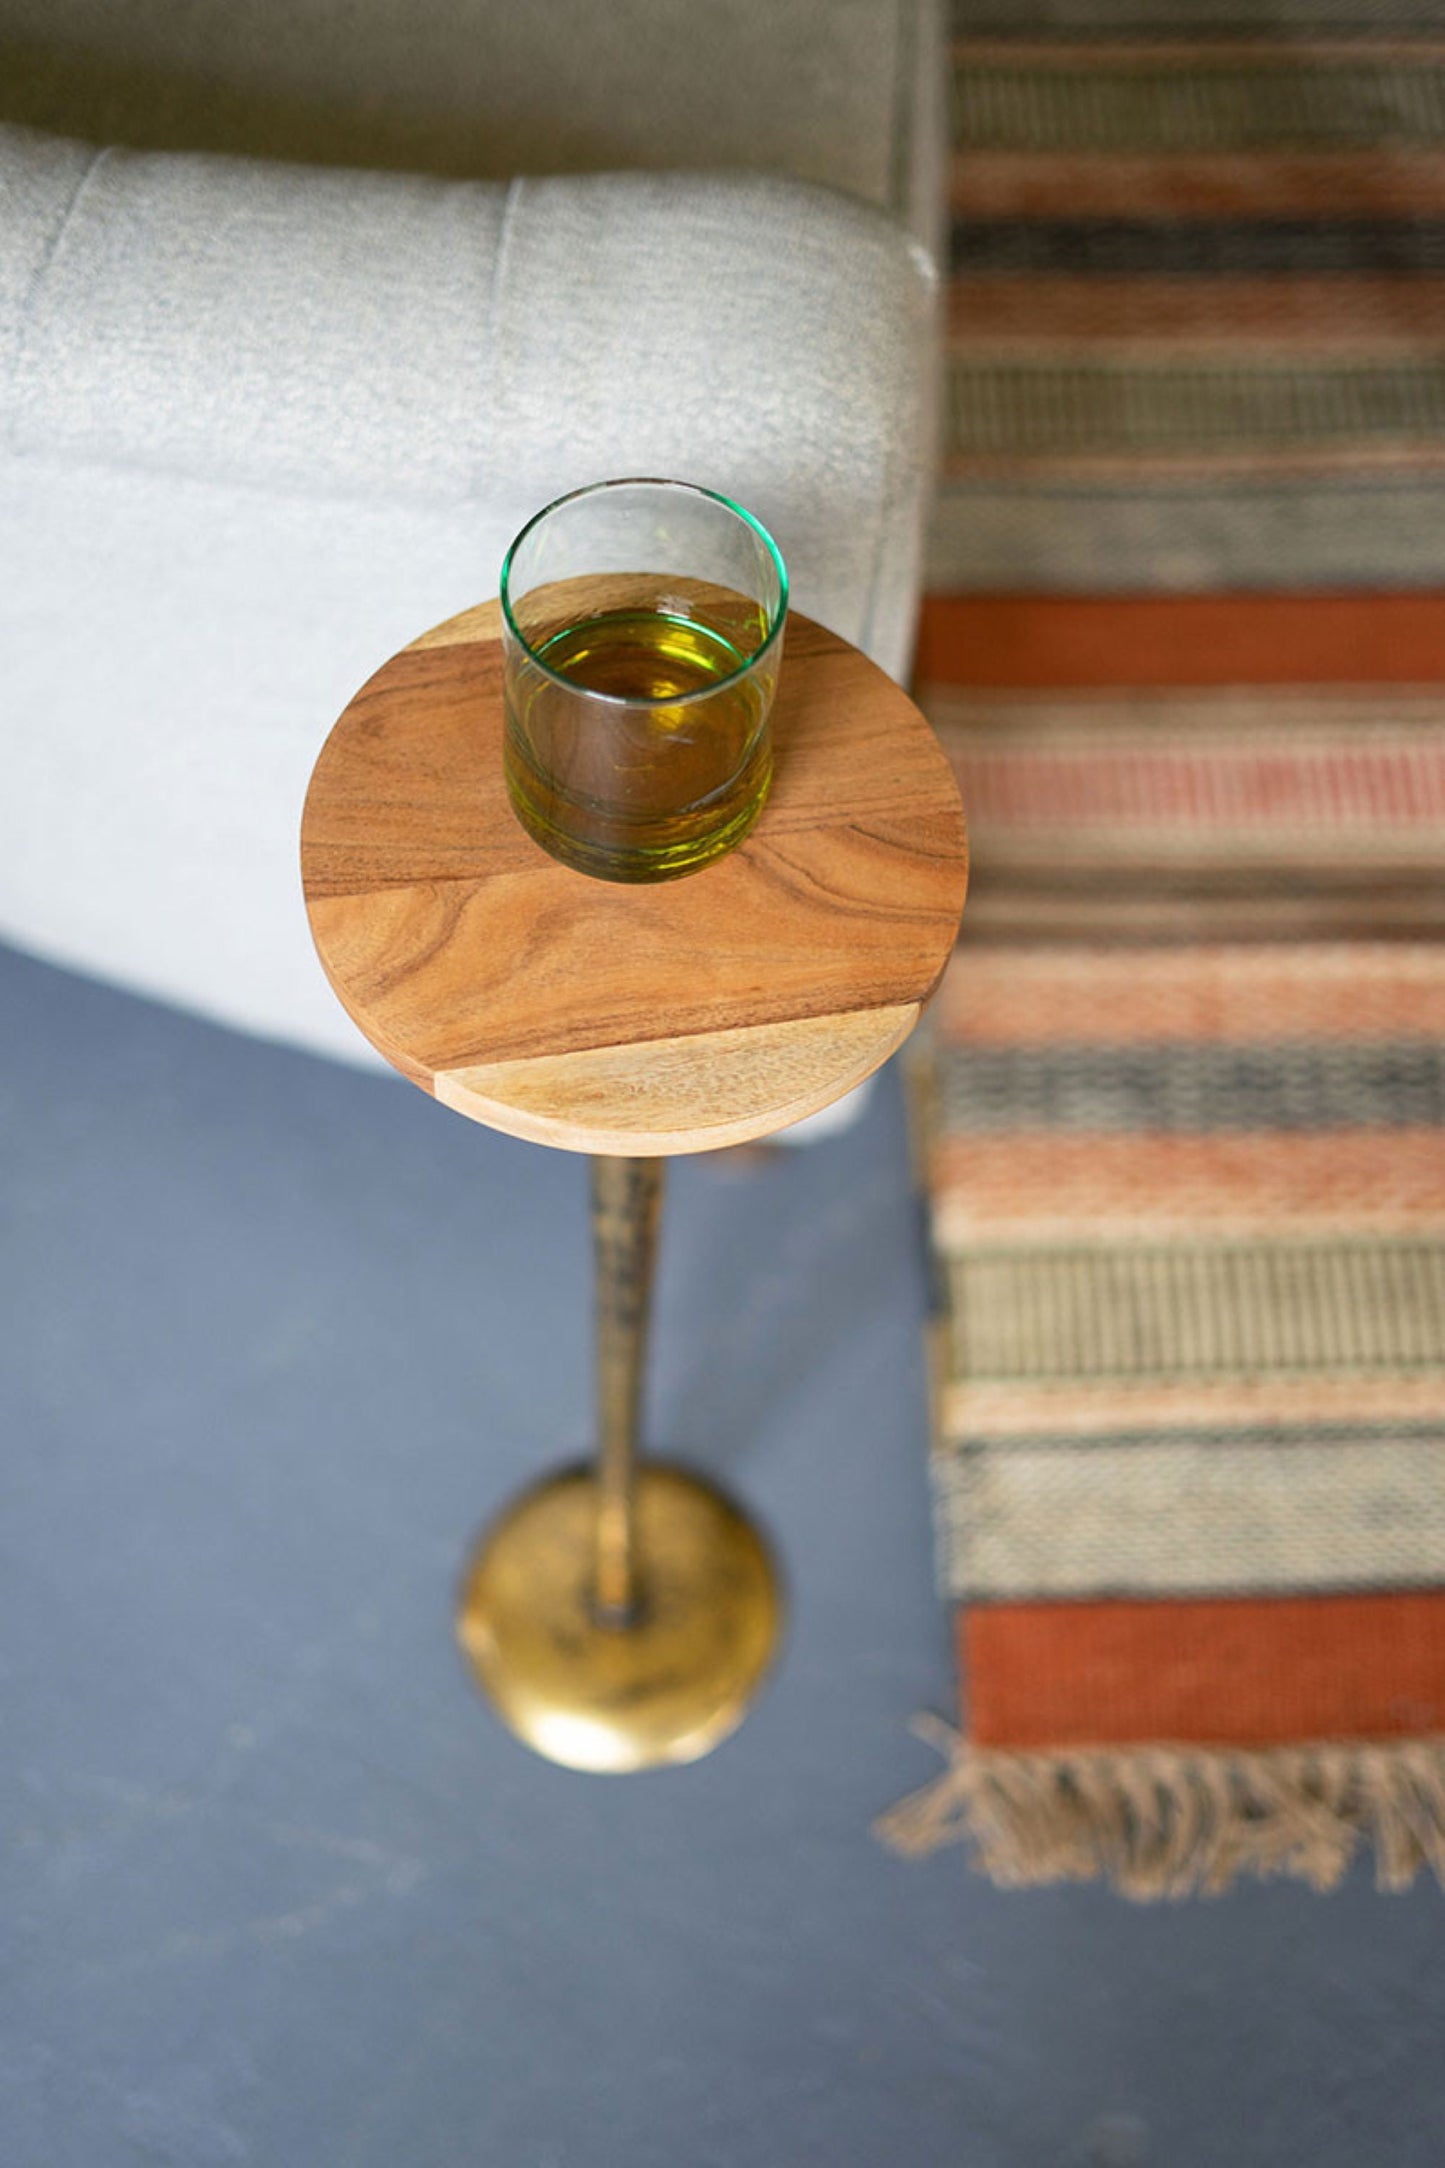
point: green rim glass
(642, 636)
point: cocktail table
(623, 1616)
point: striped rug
(1185, 1108)
(1197, 322)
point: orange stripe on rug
(1158, 640)
(1042, 1185)
(1081, 996)
(1227, 184)
(1148, 316)
(1221, 1670)
(1380, 783)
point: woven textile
(1197, 326)
(1185, 1106)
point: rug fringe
(1176, 1821)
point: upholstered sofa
(304, 308)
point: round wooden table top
(674, 1016)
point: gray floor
(277, 1338)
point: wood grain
(680, 1095)
(601, 1017)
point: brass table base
(664, 1686)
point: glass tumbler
(642, 631)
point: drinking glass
(642, 632)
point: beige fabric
(845, 92)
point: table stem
(626, 1202)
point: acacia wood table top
(666, 1017)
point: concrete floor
(277, 1337)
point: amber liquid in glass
(649, 783)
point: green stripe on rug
(1184, 1515)
(1181, 1088)
(1186, 104)
(1027, 409)
(1207, 1310)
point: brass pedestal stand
(623, 1617)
